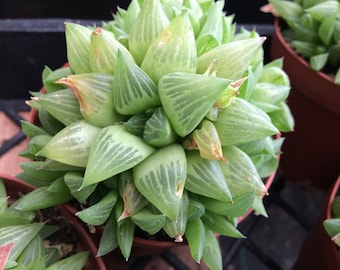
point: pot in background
(311, 153)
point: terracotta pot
(15, 186)
(318, 250)
(311, 153)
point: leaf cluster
(24, 240)
(313, 31)
(165, 121)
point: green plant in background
(313, 31)
(332, 225)
(164, 123)
(23, 242)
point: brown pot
(15, 187)
(318, 251)
(311, 153)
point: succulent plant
(25, 239)
(164, 121)
(332, 225)
(313, 31)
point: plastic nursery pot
(15, 187)
(318, 251)
(311, 153)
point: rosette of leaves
(313, 31)
(164, 121)
(24, 241)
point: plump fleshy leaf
(150, 22)
(132, 198)
(158, 131)
(104, 50)
(195, 235)
(208, 142)
(211, 251)
(74, 180)
(134, 91)
(76, 262)
(166, 56)
(239, 116)
(205, 177)
(187, 98)
(78, 39)
(98, 213)
(20, 235)
(240, 172)
(176, 228)
(72, 144)
(115, 150)
(94, 92)
(62, 105)
(149, 221)
(230, 60)
(161, 178)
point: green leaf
(134, 91)
(205, 177)
(288, 10)
(259, 207)
(11, 216)
(63, 105)
(332, 226)
(114, 150)
(240, 172)
(150, 22)
(49, 81)
(33, 256)
(196, 208)
(94, 92)
(103, 51)
(48, 122)
(72, 144)
(186, 100)
(20, 235)
(31, 130)
(317, 62)
(161, 178)
(158, 131)
(283, 118)
(78, 40)
(34, 168)
(326, 30)
(149, 221)
(324, 10)
(240, 205)
(211, 251)
(164, 56)
(133, 199)
(336, 207)
(220, 224)
(230, 60)
(195, 235)
(211, 33)
(108, 241)
(239, 116)
(74, 180)
(125, 232)
(74, 262)
(41, 198)
(98, 213)
(176, 228)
